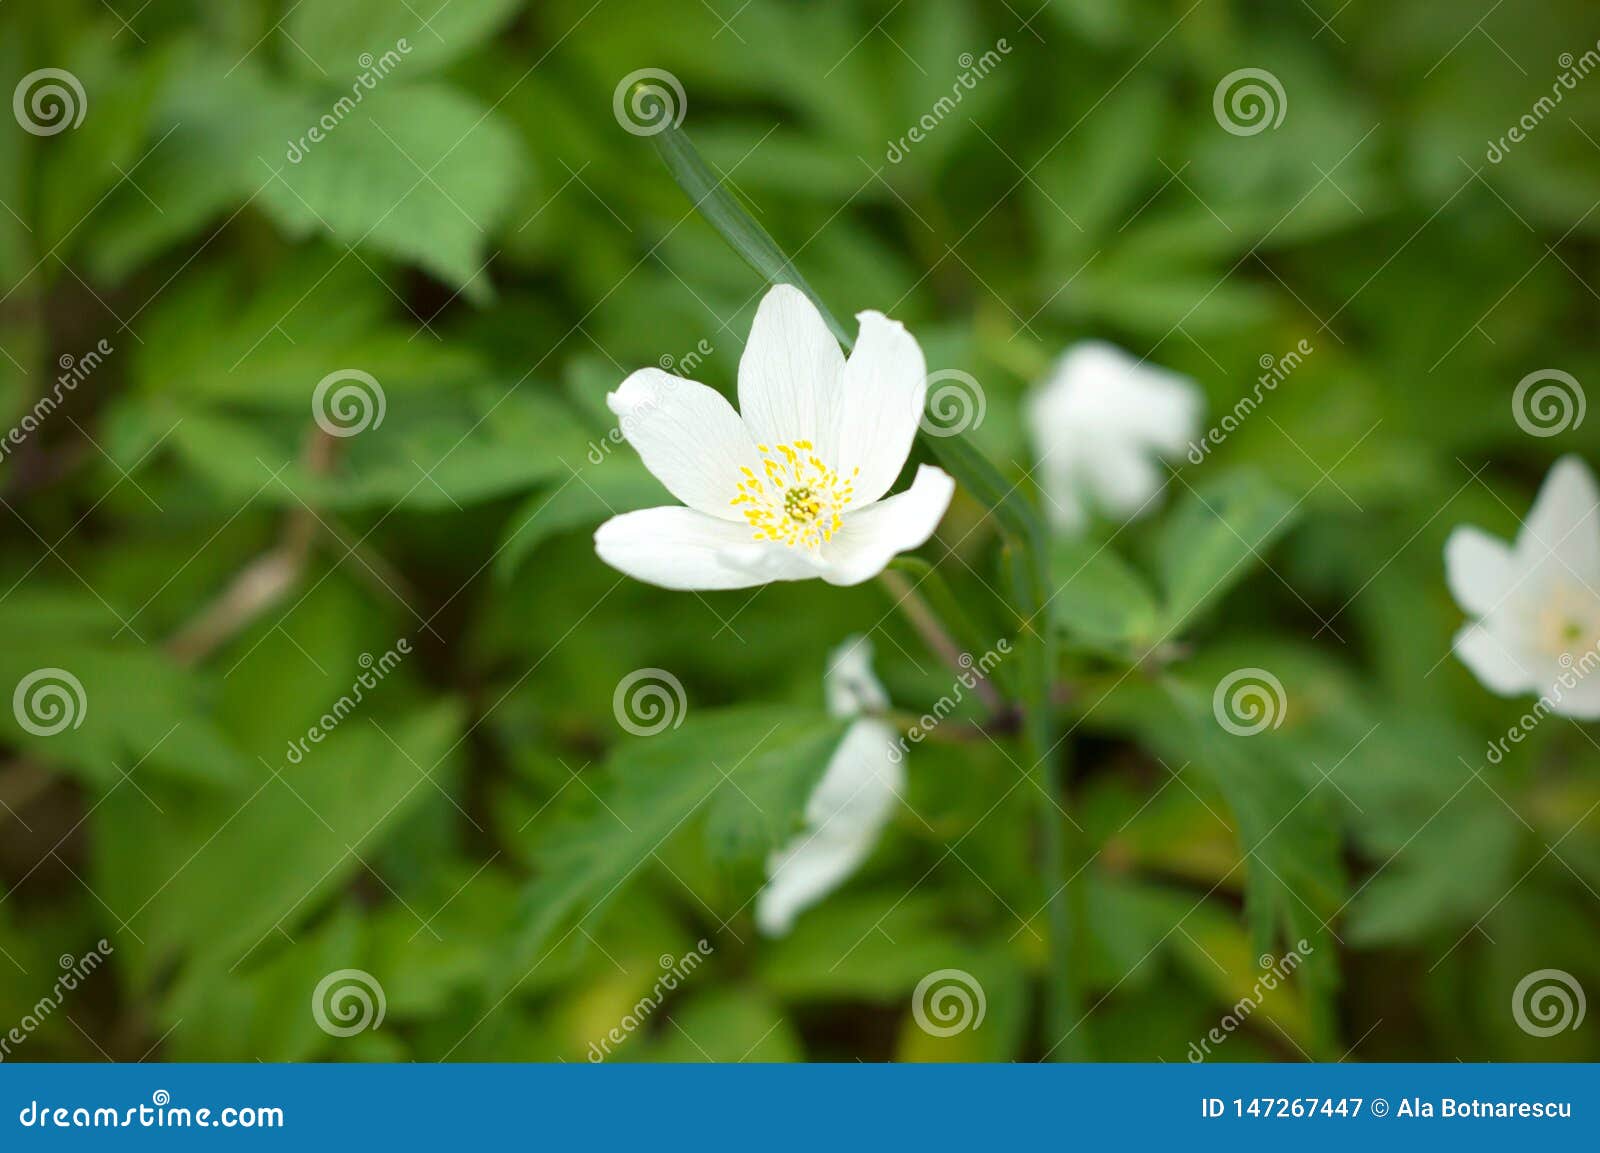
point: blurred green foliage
(481, 235)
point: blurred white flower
(1100, 424)
(789, 486)
(1537, 601)
(851, 803)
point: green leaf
(584, 499)
(297, 832)
(712, 765)
(103, 708)
(1098, 599)
(423, 173)
(1213, 540)
(338, 40)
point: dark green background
(515, 254)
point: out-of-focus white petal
(871, 537)
(687, 435)
(1564, 522)
(790, 376)
(1099, 425)
(1496, 660)
(844, 817)
(885, 387)
(1578, 695)
(1479, 569)
(849, 684)
(679, 548)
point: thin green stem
(1047, 763)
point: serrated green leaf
(423, 172)
(656, 785)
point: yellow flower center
(1569, 620)
(795, 499)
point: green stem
(1066, 1040)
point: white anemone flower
(791, 486)
(1537, 601)
(851, 803)
(1100, 424)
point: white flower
(851, 803)
(789, 487)
(1538, 600)
(1100, 424)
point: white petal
(849, 683)
(790, 374)
(1116, 393)
(1576, 693)
(1564, 522)
(1123, 477)
(1479, 569)
(851, 804)
(678, 548)
(871, 537)
(688, 435)
(885, 386)
(1099, 426)
(1495, 660)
